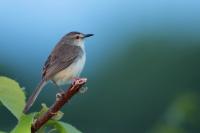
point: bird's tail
(34, 95)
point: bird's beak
(87, 35)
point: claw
(58, 96)
(79, 81)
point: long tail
(34, 95)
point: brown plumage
(56, 62)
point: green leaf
(2, 132)
(63, 127)
(12, 96)
(24, 124)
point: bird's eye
(77, 37)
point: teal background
(142, 64)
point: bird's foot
(79, 81)
(59, 96)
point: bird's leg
(58, 87)
(61, 91)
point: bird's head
(76, 38)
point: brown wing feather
(61, 57)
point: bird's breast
(72, 71)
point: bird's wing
(61, 57)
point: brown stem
(58, 104)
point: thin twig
(58, 104)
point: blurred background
(142, 64)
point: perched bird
(64, 64)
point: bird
(64, 64)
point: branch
(58, 104)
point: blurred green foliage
(24, 124)
(13, 98)
(182, 116)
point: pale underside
(68, 74)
